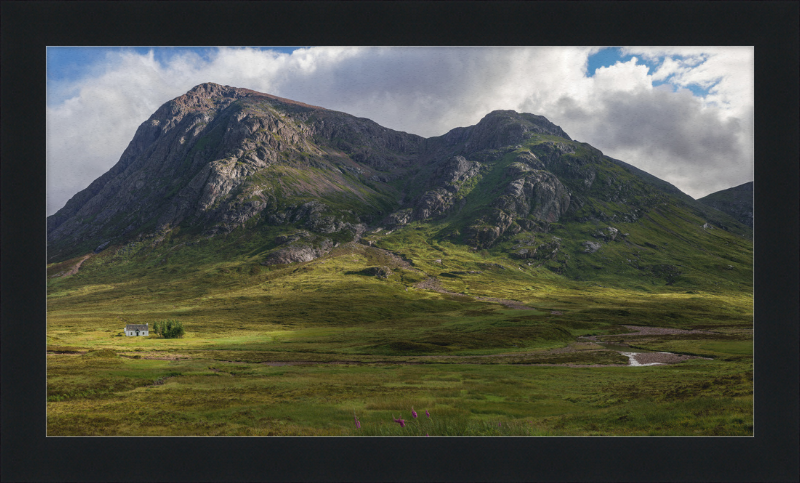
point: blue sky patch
(611, 55)
(67, 65)
(72, 63)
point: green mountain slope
(736, 202)
(304, 179)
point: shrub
(169, 329)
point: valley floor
(308, 349)
(195, 396)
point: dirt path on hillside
(75, 269)
(432, 283)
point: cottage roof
(136, 327)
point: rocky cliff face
(445, 186)
(736, 201)
(220, 158)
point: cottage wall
(143, 330)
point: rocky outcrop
(432, 203)
(608, 233)
(301, 246)
(489, 228)
(379, 272)
(590, 246)
(535, 198)
(547, 249)
(300, 253)
(559, 159)
(449, 177)
(401, 217)
(538, 194)
(102, 246)
(454, 172)
(447, 184)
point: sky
(683, 114)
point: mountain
(736, 201)
(217, 156)
(220, 160)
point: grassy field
(302, 349)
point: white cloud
(428, 91)
(622, 76)
(728, 69)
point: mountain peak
(208, 90)
(502, 128)
(211, 89)
(530, 122)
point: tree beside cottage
(137, 330)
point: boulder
(379, 272)
(401, 217)
(102, 246)
(590, 246)
(298, 251)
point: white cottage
(137, 329)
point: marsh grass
(195, 398)
(473, 364)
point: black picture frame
(770, 455)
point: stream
(626, 351)
(643, 357)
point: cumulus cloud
(669, 135)
(700, 145)
(727, 71)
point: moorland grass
(398, 345)
(699, 397)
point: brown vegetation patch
(639, 330)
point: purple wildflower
(401, 422)
(413, 413)
(499, 424)
(358, 423)
(427, 413)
